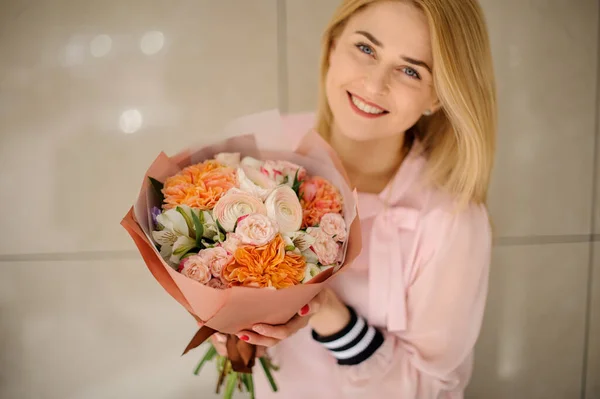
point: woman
(408, 102)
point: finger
(282, 331)
(314, 305)
(260, 351)
(218, 344)
(257, 339)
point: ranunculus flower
(257, 229)
(318, 197)
(325, 247)
(269, 266)
(254, 182)
(232, 242)
(284, 207)
(196, 268)
(235, 204)
(334, 225)
(216, 258)
(230, 159)
(198, 186)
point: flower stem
(266, 368)
(209, 355)
(231, 382)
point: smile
(365, 108)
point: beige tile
(77, 78)
(94, 330)
(593, 355)
(306, 21)
(531, 345)
(545, 59)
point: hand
(325, 313)
(219, 341)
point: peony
(325, 247)
(266, 266)
(216, 283)
(232, 242)
(253, 182)
(198, 186)
(235, 204)
(216, 258)
(318, 197)
(334, 225)
(230, 159)
(196, 268)
(284, 207)
(257, 229)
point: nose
(376, 82)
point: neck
(369, 164)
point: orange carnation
(266, 266)
(318, 198)
(199, 186)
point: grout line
(282, 62)
(595, 188)
(133, 254)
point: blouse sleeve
(445, 305)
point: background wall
(91, 91)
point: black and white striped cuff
(355, 343)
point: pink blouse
(421, 278)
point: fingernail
(304, 310)
(244, 337)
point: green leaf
(198, 227)
(266, 368)
(188, 221)
(157, 186)
(208, 356)
(296, 184)
(231, 382)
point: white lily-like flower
(310, 256)
(311, 271)
(174, 238)
(300, 240)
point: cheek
(343, 69)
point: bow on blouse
(388, 273)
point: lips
(365, 108)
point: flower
(257, 229)
(216, 258)
(254, 182)
(283, 206)
(334, 225)
(216, 283)
(310, 271)
(265, 266)
(235, 204)
(174, 235)
(199, 186)
(231, 159)
(283, 172)
(196, 268)
(232, 242)
(325, 247)
(300, 240)
(318, 197)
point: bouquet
(241, 234)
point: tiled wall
(91, 91)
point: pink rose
(232, 242)
(334, 225)
(216, 283)
(196, 268)
(216, 258)
(257, 230)
(325, 247)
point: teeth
(365, 107)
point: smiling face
(379, 81)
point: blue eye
(411, 73)
(365, 48)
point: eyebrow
(407, 59)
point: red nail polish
(244, 337)
(304, 310)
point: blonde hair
(460, 137)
